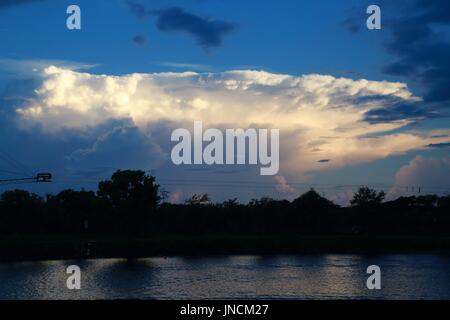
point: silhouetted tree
(76, 211)
(366, 197)
(312, 200)
(231, 203)
(260, 202)
(125, 203)
(133, 196)
(21, 211)
(310, 211)
(444, 202)
(198, 199)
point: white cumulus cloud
(422, 176)
(319, 116)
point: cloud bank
(319, 116)
(431, 175)
(422, 48)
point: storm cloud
(422, 48)
(418, 40)
(319, 117)
(206, 32)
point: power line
(263, 185)
(11, 172)
(13, 162)
(39, 178)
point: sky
(354, 106)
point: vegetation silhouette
(129, 208)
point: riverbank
(57, 247)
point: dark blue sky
(289, 37)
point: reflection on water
(233, 277)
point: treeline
(132, 204)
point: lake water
(233, 277)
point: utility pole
(39, 178)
